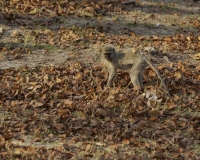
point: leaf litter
(64, 111)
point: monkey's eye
(107, 53)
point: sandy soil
(149, 18)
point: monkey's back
(126, 59)
(123, 59)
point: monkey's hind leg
(136, 74)
(136, 80)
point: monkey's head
(109, 49)
(108, 52)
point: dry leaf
(88, 147)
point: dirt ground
(146, 18)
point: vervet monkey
(134, 63)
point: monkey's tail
(156, 70)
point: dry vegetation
(53, 104)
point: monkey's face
(109, 50)
(108, 53)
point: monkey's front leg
(112, 73)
